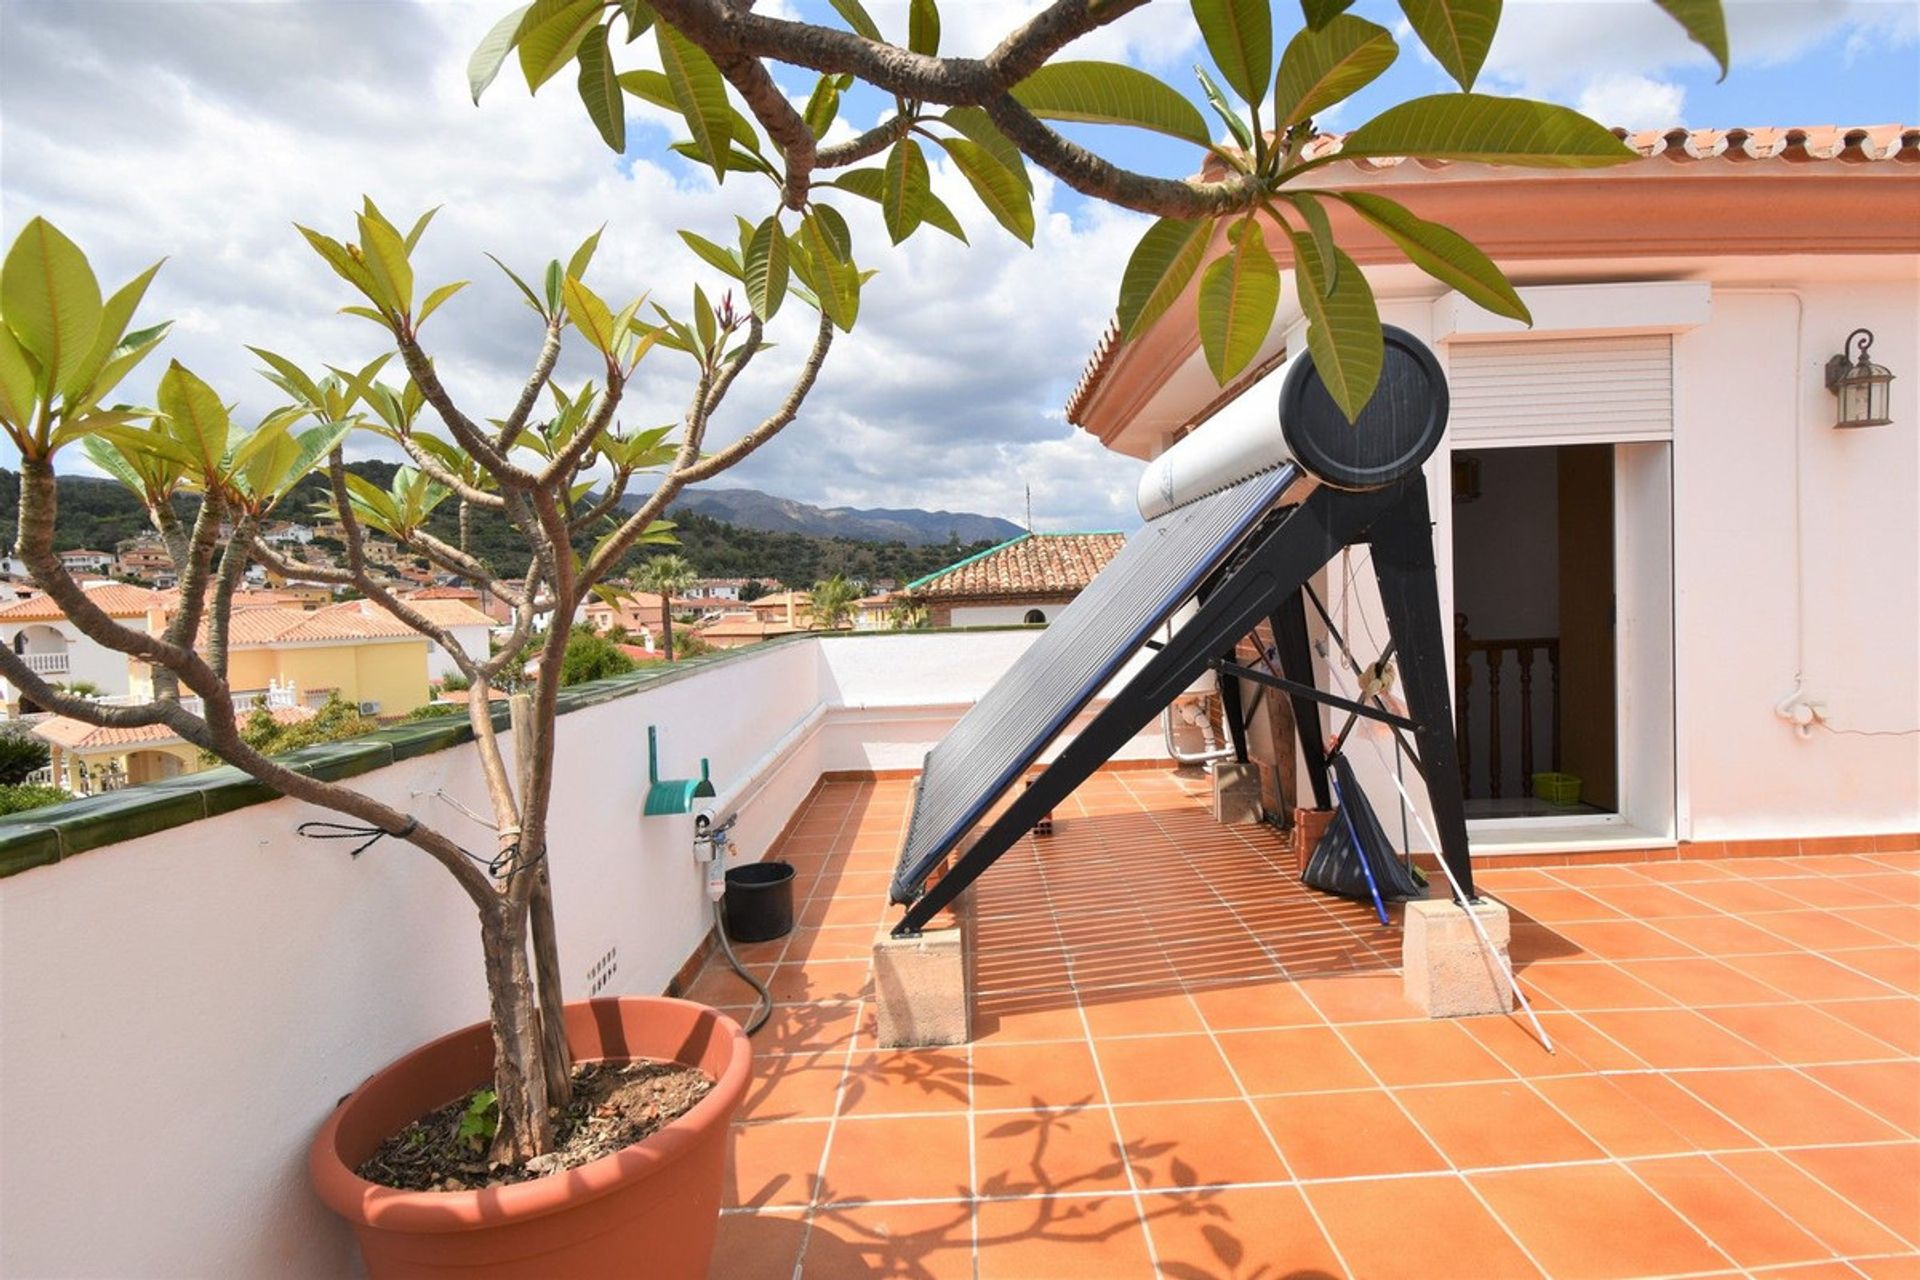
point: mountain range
(752, 509)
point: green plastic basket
(1557, 788)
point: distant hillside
(752, 509)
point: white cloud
(1633, 101)
(203, 131)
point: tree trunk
(519, 1077)
(555, 1056)
(666, 626)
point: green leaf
(719, 258)
(1441, 252)
(907, 189)
(855, 15)
(923, 27)
(50, 299)
(1239, 35)
(194, 416)
(1473, 126)
(134, 348)
(115, 315)
(550, 33)
(705, 324)
(639, 16)
(974, 124)
(1239, 293)
(822, 106)
(1002, 193)
(385, 254)
(1319, 13)
(936, 214)
(767, 269)
(1109, 93)
(871, 184)
(437, 297)
(1705, 22)
(345, 265)
(733, 159)
(600, 90)
(1456, 32)
(835, 278)
(589, 315)
(533, 299)
(555, 278)
(1320, 227)
(653, 86)
(19, 389)
(699, 94)
(1157, 273)
(1343, 327)
(1329, 65)
(1217, 99)
(289, 377)
(492, 50)
(420, 227)
(583, 256)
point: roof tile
(1033, 564)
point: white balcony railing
(46, 664)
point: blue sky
(200, 130)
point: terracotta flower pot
(651, 1209)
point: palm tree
(666, 576)
(907, 614)
(832, 602)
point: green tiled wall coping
(41, 837)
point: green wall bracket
(675, 795)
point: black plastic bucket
(759, 903)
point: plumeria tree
(554, 463)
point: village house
(1024, 580)
(37, 629)
(737, 630)
(84, 560)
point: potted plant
(555, 464)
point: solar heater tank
(1396, 432)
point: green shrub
(20, 799)
(592, 657)
(20, 755)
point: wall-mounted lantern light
(1862, 387)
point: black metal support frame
(1266, 584)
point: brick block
(1446, 969)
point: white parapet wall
(179, 1011)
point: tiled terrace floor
(1189, 1066)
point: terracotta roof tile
(1033, 564)
(78, 735)
(117, 598)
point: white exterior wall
(1000, 615)
(229, 981)
(1795, 550)
(86, 659)
(471, 639)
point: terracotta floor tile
(1481, 1126)
(1905, 1267)
(1367, 1221)
(1594, 1221)
(1891, 1090)
(1577, 1047)
(1239, 1232)
(775, 1164)
(1293, 1060)
(1740, 896)
(1783, 1108)
(1650, 901)
(820, 980)
(1021, 1017)
(1164, 1069)
(1153, 1012)
(1556, 906)
(1402, 1053)
(1701, 982)
(1829, 891)
(1347, 1135)
(907, 1241)
(1752, 1232)
(1798, 1034)
(1640, 1115)
(837, 943)
(1627, 940)
(1721, 936)
(1824, 931)
(1072, 1149)
(1253, 1005)
(1591, 985)
(1894, 1021)
(1360, 997)
(1590, 875)
(1039, 1077)
(1878, 1180)
(806, 1028)
(1682, 871)
(1897, 966)
(897, 1158)
(793, 1087)
(1672, 1039)
(1196, 1144)
(905, 1081)
(1077, 1238)
(757, 1244)
(1894, 888)
(1822, 1212)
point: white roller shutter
(1562, 389)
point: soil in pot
(615, 1104)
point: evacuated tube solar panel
(1159, 569)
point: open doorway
(1536, 663)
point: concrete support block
(1308, 826)
(923, 986)
(1236, 792)
(1447, 971)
